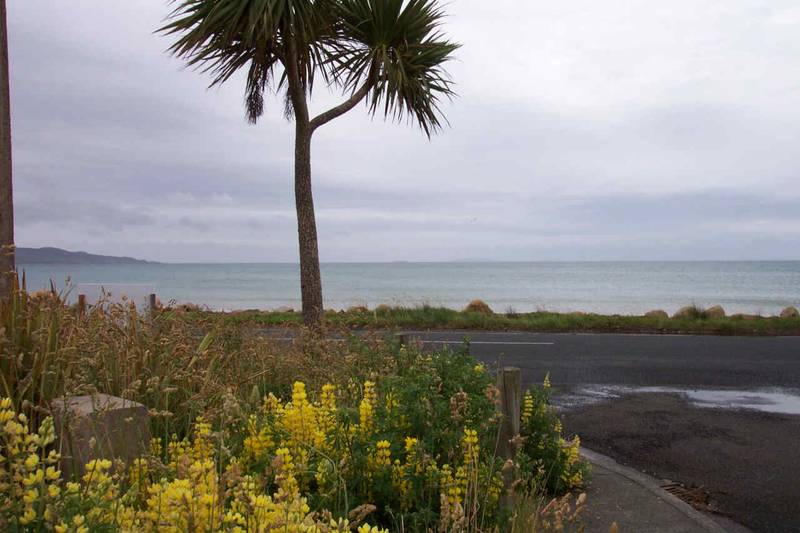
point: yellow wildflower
(527, 408)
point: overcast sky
(584, 129)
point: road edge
(654, 486)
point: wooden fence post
(402, 338)
(151, 300)
(81, 305)
(509, 383)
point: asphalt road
(636, 360)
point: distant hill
(57, 255)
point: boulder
(284, 309)
(790, 312)
(689, 311)
(358, 309)
(478, 306)
(99, 427)
(383, 308)
(715, 312)
(657, 313)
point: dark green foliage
(553, 460)
(391, 48)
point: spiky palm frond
(396, 45)
(393, 48)
(223, 36)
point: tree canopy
(388, 52)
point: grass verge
(428, 317)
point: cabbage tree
(388, 54)
(7, 266)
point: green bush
(544, 451)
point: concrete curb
(653, 485)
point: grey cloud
(101, 216)
(591, 152)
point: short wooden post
(81, 305)
(402, 338)
(509, 383)
(151, 301)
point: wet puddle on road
(768, 400)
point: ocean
(600, 287)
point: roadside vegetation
(477, 318)
(248, 435)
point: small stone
(99, 427)
(657, 313)
(790, 312)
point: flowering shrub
(554, 460)
(189, 493)
(398, 437)
(417, 444)
(391, 451)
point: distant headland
(60, 256)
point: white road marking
(490, 342)
(443, 341)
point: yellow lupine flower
(28, 516)
(383, 455)
(34, 478)
(31, 461)
(299, 419)
(366, 408)
(527, 408)
(365, 528)
(31, 495)
(52, 474)
(258, 442)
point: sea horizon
(606, 287)
(477, 261)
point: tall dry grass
(179, 369)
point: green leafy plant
(554, 460)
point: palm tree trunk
(7, 263)
(310, 279)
